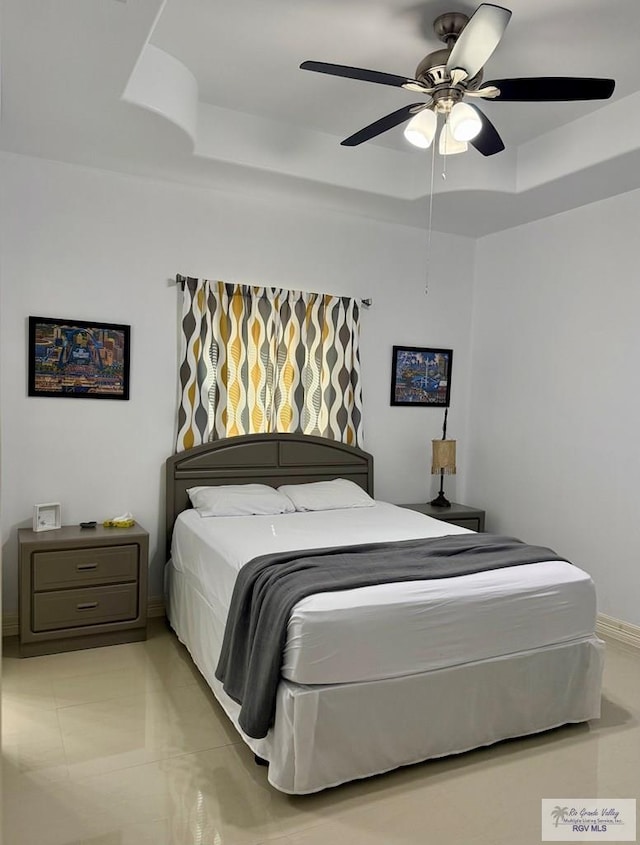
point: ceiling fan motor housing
(432, 71)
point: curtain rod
(182, 280)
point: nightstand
(456, 514)
(82, 588)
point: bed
(383, 676)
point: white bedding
(417, 626)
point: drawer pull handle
(84, 567)
(88, 605)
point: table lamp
(443, 461)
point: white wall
(555, 404)
(88, 244)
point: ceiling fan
(452, 74)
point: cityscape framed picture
(421, 376)
(75, 359)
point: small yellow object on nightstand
(124, 521)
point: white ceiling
(209, 92)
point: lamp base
(440, 501)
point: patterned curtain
(258, 359)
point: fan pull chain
(445, 130)
(430, 223)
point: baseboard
(624, 632)
(11, 621)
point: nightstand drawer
(92, 606)
(84, 567)
(456, 514)
(473, 524)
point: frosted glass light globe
(448, 146)
(421, 129)
(464, 122)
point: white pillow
(239, 500)
(327, 495)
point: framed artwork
(421, 376)
(78, 360)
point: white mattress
(417, 625)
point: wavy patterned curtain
(258, 359)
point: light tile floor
(127, 746)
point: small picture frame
(47, 517)
(421, 376)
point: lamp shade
(464, 122)
(421, 129)
(448, 146)
(443, 458)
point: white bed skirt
(327, 735)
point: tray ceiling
(209, 93)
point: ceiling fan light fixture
(448, 145)
(464, 122)
(421, 129)
(455, 72)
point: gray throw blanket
(268, 587)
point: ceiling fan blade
(487, 141)
(479, 39)
(380, 126)
(363, 74)
(552, 89)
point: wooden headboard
(273, 459)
